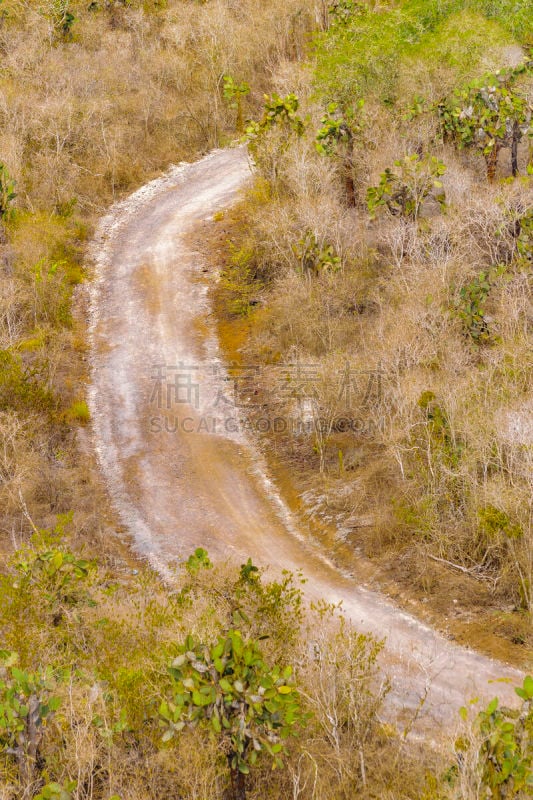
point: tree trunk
(349, 183)
(350, 190)
(27, 751)
(238, 785)
(239, 124)
(492, 162)
(514, 149)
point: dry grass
(84, 118)
(426, 477)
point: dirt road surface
(181, 472)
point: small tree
(278, 111)
(269, 137)
(234, 94)
(404, 190)
(26, 704)
(490, 114)
(336, 138)
(229, 689)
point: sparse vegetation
(121, 688)
(96, 98)
(431, 295)
(404, 290)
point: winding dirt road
(180, 471)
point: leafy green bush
(22, 387)
(55, 574)
(43, 589)
(439, 429)
(234, 94)
(494, 522)
(505, 765)
(315, 257)
(469, 306)
(490, 114)
(229, 689)
(278, 111)
(404, 191)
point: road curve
(179, 470)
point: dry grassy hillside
(114, 686)
(96, 98)
(377, 253)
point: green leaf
(526, 691)
(492, 706)
(200, 699)
(54, 703)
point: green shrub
(229, 689)
(238, 280)
(26, 703)
(404, 190)
(505, 757)
(494, 522)
(314, 257)
(489, 114)
(22, 387)
(469, 305)
(78, 413)
(363, 55)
